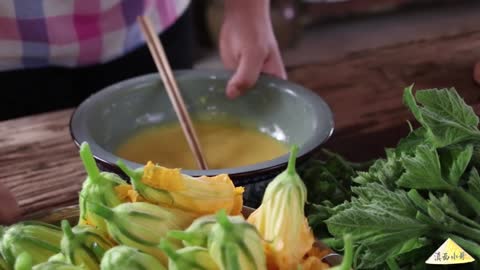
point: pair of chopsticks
(163, 66)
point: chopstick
(163, 66)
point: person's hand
(9, 210)
(248, 45)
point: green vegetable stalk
(417, 177)
(347, 254)
(450, 223)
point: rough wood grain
(365, 89)
(332, 9)
(40, 163)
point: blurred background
(313, 30)
(360, 54)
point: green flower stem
(67, 230)
(89, 162)
(101, 210)
(168, 249)
(292, 160)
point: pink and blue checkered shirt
(37, 33)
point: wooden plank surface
(40, 163)
(320, 10)
(365, 89)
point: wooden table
(364, 89)
(40, 163)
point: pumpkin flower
(281, 221)
(169, 187)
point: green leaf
(376, 210)
(449, 105)
(385, 223)
(454, 161)
(396, 202)
(382, 171)
(381, 221)
(325, 184)
(476, 154)
(444, 202)
(317, 214)
(474, 183)
(338, 166)
(408, 144)
(447, 118)
(423, 171)
(415, 259)
(329, 178)
(375, 250)
(409, 101)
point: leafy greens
(402, 208)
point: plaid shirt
(37, 33)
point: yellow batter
(224, 145)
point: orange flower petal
(162, 178)
(122, 191)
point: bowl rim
(79, 134)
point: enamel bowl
(280, 108)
